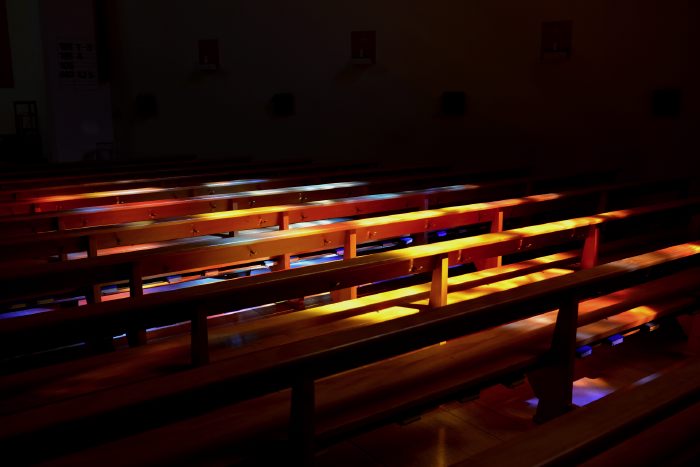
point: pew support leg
(495, 261)
(553, 381)
(136, 336)
(100, 341)
(350, 251)
(589, 255)
(301, 421)
(199, 339)
(691, 327)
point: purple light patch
(26, 312)
(617, 339)
(586, 390)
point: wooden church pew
(299, 363)
(58, 203)
(90, 240)
(197, 303)
(110, 265)
(337, 394)
(160, 209)
(217, 186)
(577, 437)
(24, 281)
(259, 170)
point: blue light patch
(614, 340)
(584, 351)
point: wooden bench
(152, 210)
(297, 364)
(589, 431)
(63, 202)
(91, 240)
(91, 272)
(227, 185)
(197, 303)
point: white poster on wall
(77, 63)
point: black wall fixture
(453, 103)
(666, 103)
(146, 106)
(283, 104)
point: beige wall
(593, 109)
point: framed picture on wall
(557, 40)
(363, 47)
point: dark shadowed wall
(26, 55)
(80, 115)
(594, 108)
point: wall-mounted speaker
(453, 103)
(146, 106)
(666, 103)
(283, 104)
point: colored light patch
(241, 213)
(385, 314)
(160, 287)
(98, 194)
(585, 391)
(543, 197)
(645, 312)
(25, 312)
(556, 226)
(369, 300)
(322, 186)
(317, 260)
(461, 296)
(453, 188)
(646, 379)
(412, 296)
(303, 225)
(233, 183)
